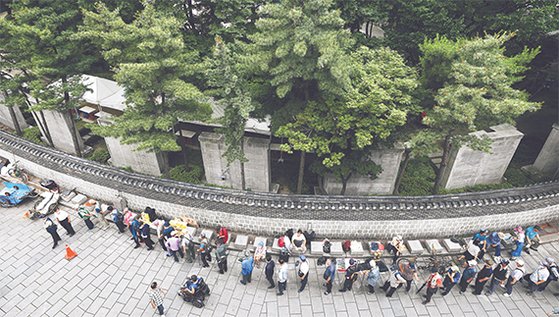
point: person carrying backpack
(395, 281)
(482, 277)
(514, 277)
(468, 275)
(451, 278)
(553, 273)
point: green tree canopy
(153, 65)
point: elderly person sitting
(259, 253)
(395, 247)
(299, 242)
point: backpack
(309, 236)
(321, 261)
(284, 255)
(326, 246)
(346, 246)
(382, 267)
(289, 234)
(281, 242)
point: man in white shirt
(303, 272)
(64, 220)
(515, 276)
(537, 278)
(299, 242)
(282, 277)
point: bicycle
(17, 172)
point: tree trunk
(301, 172)
(44, 126)
(242, 163)
(344, 183)
(442, 167)
(401, 172)
(17, 127)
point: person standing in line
(221, 256)
(395, 281)
(188, 247)
(247, 265)
(282, 277)
(351, 275)
(373, 276)
(269, 271)
(451, 278)
(553, 273)
(515, 276)
(159, 225)
(329, 275)
(99, 213)
(494, 241)
(500, 276)
(409, 271)
(51, 227)
(173, 246)
(303, 272)
(135, 230)
(63, 219)
(472, 251)
(204, 251)
(532, 238)
(434, 282)
(537, 278)
(86, 215)
(468, 275)
(481, 237)
(519, 242)
(117, 218)
(145, 234)
(482, 277)
(156, 298)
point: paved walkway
(110, 278)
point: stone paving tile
(110, 278)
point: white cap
(372, 263)
(519, 262)
(472, 263)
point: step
(357, 248)
(316, 248)
(241, 241)
(336, 248)
(192, 231)
(275, 246)
(434, 246)
(208, 233)
(258, 239)
(415, 247)
(452, 247)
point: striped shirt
(156, 296)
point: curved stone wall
(268, 214)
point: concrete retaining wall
(547, 161)
(6, 118)
(126, 155)
(268, 214)
(61, 131)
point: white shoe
(506, 295)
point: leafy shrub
(33, 134)
(418, 178)
(186, 173)
(100, 155)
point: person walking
(395, 281)
(409, 271)
(451, 278)
(221, 256)
(282, 277)
(537, 278)
(247, 265)
(63, 219)
(351, 275)
(434, 282)
(146, 236)
(204, 251)
(86, 215)
(482, 277)
(173, 246)
(303, 272)
(118, 218)
(135, 230)
(373, 276)
(51, 228)
(269, 271)
(500, 275)
(156, 298)
(553, 273)
(329, 275)
(468, 275)
(514, 277)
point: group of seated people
(295, 243)
(194, 290)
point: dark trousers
(531, 285)
(136, 240)
(204, 258)
(55, 237)
(174, 253)
(161, 309)
(430, 292)
(389, 289)
(348, 284)
(448, 285)
(67, 226)
(162, 243)
(304, 282)
(120, 226)
(89, 223)
(270, 280)
(408, 285)
(149, 243)
(190, 253)
(329, 287)
(544, 284)
(463, 285)
(222, 265)
(371, 288)
(493, 285)
(478, 287)
(497, 249)
(281, 287)
(509, 285)
(247, 278)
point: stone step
(257, 240)
(241, 241)
(434, 246)
(316, 248)
(336, 248)
(415, 247)
(357, 248)
(452, 246)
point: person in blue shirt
(247, 264)
(494, 241)
(188, 291)
(468, 275)
(373, 277)
(481, 236)
(134, 229)
(532, 238)
(451, 278)
(329, 275)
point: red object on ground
(70, 254)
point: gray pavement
(110, 278)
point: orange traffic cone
(27, 214)
(70, 254)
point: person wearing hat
(303, 272)
(51, 227)
(434, 282)
(515, 276)
(537, 278)
(350, 276)
(482, 277)
(468, 275)
(500, 275)
(494, 241)
(395, 281)
(247, 264)
(553, 272)
(373, 276)
(451, 278)
(409, 271)
(174, 247)
(329, 275)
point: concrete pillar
(467, 167)
(388, 159)
(60, 130)
(547, 161)
(6, 118)
(257, 168)
(126, 155)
